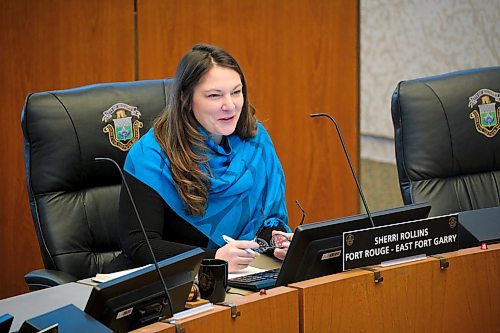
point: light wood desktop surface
(277, 311)
(416, 296)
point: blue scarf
(247, 178)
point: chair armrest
(46, 278)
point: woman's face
(217, 101)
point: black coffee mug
(212, 279)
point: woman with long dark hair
(206, 169)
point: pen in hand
(228, 240)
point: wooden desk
(413, 297)
(418, 296)
(278, 311)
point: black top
(168, 233)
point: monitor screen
(316, 248)
(135, 300)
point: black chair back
(447, 140)
(73, 198)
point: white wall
(407, 39)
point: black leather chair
(447, 140)
(73, 198)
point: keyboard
(256, 281)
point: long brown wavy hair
(176, 129)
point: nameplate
(373, 246)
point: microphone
(165, 289)
(314, 115)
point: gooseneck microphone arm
(165, 289)
(314, 115)
(303, 212)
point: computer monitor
(316, 248)
(479, 226)
(135, 300)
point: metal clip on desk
(234, 311)
(377, 275)
(178, 327)
(443, 262)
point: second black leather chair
(447, 137)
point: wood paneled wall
(299, 56)
(46, 45)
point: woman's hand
(282, 247)
(236, 255)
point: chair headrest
(439, 119)
(65, 130)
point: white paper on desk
(106, 277)
(247, 271)
(402, 260)
(193, 311)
